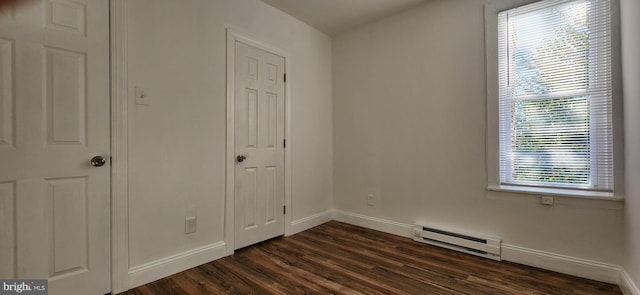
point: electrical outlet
(190, 224)
(371, 200)
(546, 200)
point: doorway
(256, 141)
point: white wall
(630, 10)
(408, 119)
(177, 51)
(409, 126)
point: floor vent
(479, 246)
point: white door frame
(119, 144)
(234, 35)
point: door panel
(7, 226)
(7, 115)
(67, 221)
(259, 136)
(54, 116)
(65, 102)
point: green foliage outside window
(551, 132)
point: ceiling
(336, 16)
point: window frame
(492, 102)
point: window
(555, 96)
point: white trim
(551, 261)
(387, 226)
(310, 222)
(561, 263)
(288, 158)
(119, 144)
(167, 266)
(230, 175)
(492, 141)
(627, 285)
(560, 192)
(234, 35)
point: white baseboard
(560, 263)
(579, 267)
(310, 221)
(599, 271)
(627, 285)
(155, 270)
(383, 225)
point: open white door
(259, 145)
(54, 118)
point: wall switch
(142, 96)
(546, 200)
(371, 200)
(190, 225)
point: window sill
(556, 192)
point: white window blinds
(555, 95)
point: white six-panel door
(259, 144)
(54, 117)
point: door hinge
(284, 143)
(285, 77)
(110, 161)
(284, 210)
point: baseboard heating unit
(479, 246)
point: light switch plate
(190, 224)
(371, 200)
(142, 96)
(546, 200)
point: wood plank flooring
(337, 258)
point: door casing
(119, 143)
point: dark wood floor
(337, 258)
